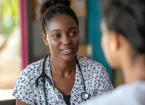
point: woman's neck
(135, 71)
(62, 68)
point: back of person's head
(51, 8)
(126, 17)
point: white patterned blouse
(95, 78)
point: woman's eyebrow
(73, 28)
(55, 30)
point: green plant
(8, 16)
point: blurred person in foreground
(123, 42)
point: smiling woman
(62, 77)
(63, 38)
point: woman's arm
(19, 102)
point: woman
(123, 29)
(67, 79)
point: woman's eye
(57, 36)
(73, 33)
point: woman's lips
(67, 51)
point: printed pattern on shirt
(95, 78)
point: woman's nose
(66, 40)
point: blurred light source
(8, 22)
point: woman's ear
(44, 37)
(115, 42)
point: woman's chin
(68, 58)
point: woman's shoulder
(96, 75)
(25, 84)
(85, 59)
(92, 68)
(134, 95)
(90, 64)
(31, 72)
(34, 67)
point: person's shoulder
(134, 91)
(33, 69)
(84, 60)
(124, 94)
(34, 66)
(90, 64)
(128, 94)
(25, 84)
(108, 98)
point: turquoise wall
(94, 33)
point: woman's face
(62, 37)
(109, 46)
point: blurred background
(21, 43)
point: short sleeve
(103, 81)
(23, 89)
